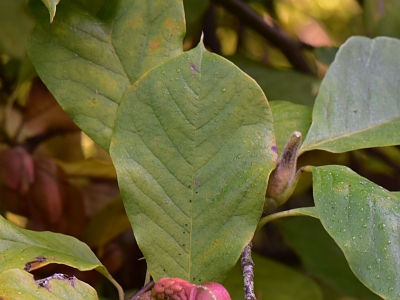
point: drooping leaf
(321, 257)
(289, 117)
(18, 284)
(288, 85)
(358, 105)
(193, 148)
(363, 219)
(273, 280)
(52, 7)
(28, 250)
(89, 62)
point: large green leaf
(363, 219)
(18, 284)
(193, 148)
(89, 62)
(321, 257)
(28, 250)
(358, 105)
(273, 280)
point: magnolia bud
(179, 289)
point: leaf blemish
(193, 67)
(274, 149)
(34, 264)
(196, 182)
(155, 44)
(45, 282)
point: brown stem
(248, 273)
(142, 291)
(290, 48)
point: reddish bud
(179, 289)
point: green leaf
(279, 84)
(273, 280)
(28, 250)
(358, 102)
(321, 257)
(52, 7)
(289, 117)
(193, 148)
(89, 62)
(18, 284)
(363, 219)
(14, 34)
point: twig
(289, 47)
(142, 291)
(248, 273)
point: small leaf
(89, 62)
(52, 7)
(18, 284)
(289, 117)
(29, 250)
(363, 219)
(193, 148)
(273, 280)
(358, 102)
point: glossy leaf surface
(193, 148)
(358, 105)
(18, 284)
(89, 62)
(29, 250)
(363, 219)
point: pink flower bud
(179, 289)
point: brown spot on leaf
(94, 101)
(37, 263)
(155, 44)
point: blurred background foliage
(53, 177)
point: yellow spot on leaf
(136, 22)
(170, 24)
